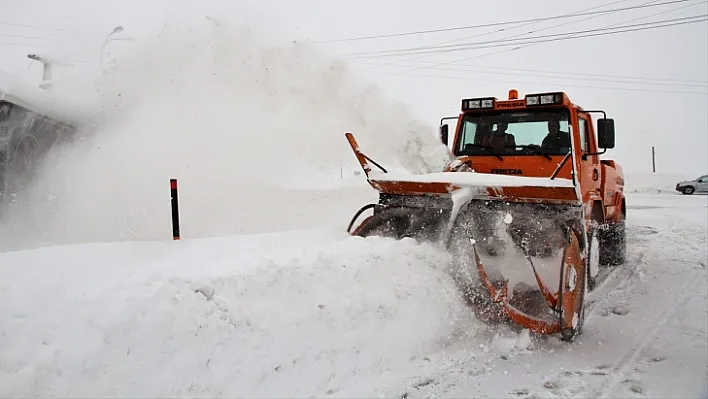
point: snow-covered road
(644, 335)
(317, 313)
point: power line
(421, 32)
(548, 40)
(514, 27)
(637, 79)
(703, 82)
(574, 76)
(18, 44)
(588, 79)
(536, 44)
(532, 39)
(26, 37)
(35, 26)
(473, 45)
(550, 27)
(555, 84)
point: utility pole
(653, 160)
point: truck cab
(541, 135)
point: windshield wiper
(488, 148)
(560, 165)
(537, 149)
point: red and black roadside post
(175, 209)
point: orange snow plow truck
(531, 216)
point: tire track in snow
(613, 280)
(631, 355)
(609, 282)
(619, 370)
(469, 371)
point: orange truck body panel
(601, 182)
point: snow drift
(323, 314)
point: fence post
(175, 209)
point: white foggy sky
(676, 123)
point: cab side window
(584, 136)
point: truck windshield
(515, 132)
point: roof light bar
(478, 103)
(544, 99)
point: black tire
(688, 190)
(3, 186)
(593, 232)
(613, 243)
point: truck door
(589, 164)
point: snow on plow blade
(510, 188)
(507, 235)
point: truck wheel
(687, 190)
(3, 186)
(613, 243)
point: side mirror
(606, 133)
(443, 133)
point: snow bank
(227, 115)
(301, 314)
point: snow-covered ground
(661, 183)
(299, 314)
(315, 312)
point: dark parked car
(699, 185)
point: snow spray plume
(231, 119)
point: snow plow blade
(495, 227)
(512, 188)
